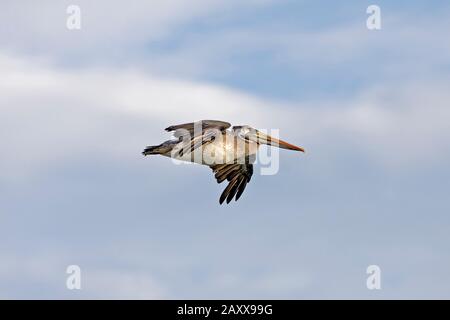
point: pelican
(230, 153)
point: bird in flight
(230, 153)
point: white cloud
(51, 115)
(107, 27)
(349, 48)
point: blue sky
(370, 107)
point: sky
(371, 108)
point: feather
(238, 174)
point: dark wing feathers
(188, 129)
(223, 174)
(241, 188)
(238, 175)
(206, 124)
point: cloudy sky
(370, 106)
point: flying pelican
(230, 153)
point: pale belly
(217, 153)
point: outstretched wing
(205, 133)
(188, 128)
(238, 176)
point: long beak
(266, 139)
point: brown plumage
(235, 149)
(238, 176)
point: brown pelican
(229, 153)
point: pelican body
(230, 153)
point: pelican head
(253, 135)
